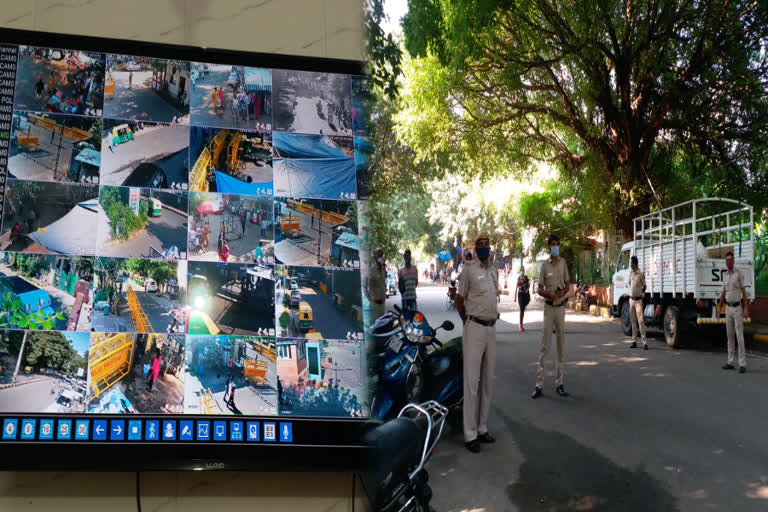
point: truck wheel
(626, 320)
(672, 326)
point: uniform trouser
(552, 316)
(734, 321)
(479, 353)
(636, 315)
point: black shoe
(486, 438)
(645, 346)
(536, 393)
(561, 391)
(633, 345)
(473, 446)
(742, 369)
(728, 366)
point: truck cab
(681, 250)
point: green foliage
(123, 220)
(14, 315)
(285, 320)
(384, 55)
(50, 350)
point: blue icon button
(81, 430)
(99, 430)
(46, 429)
(186, 430)
(269, 432)
(169, 430)
(64, 432)
(134, 430)
(153, 430)
(286, 432)
(28, 429)
(235, 430)
(220, 430)
(9, 428)
(203, 430)
(117, 430)
(253, 431)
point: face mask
(554, 251)
(380, 261)
(729, 264)
(407, 260)
(483, 253)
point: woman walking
(522, 294)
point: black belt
(487, 323)
(550, 303)
(734, 304)
(637, 298)
(378, 302)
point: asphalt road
(157, 310)
(32, 397)
(163, 145)
(661, 429)
(326, 319)
(238, 318)
(138, 102)
(162, 232)
(48, 162)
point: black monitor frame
(334, 444)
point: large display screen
(179, 247)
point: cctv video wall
(179, 238)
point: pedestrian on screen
(734, 294)
(214, 98)
(408, 280)
(553, 286)
(130, 80)
(636, 291)
(522, 294)
(478, 308)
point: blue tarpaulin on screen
(258, 79)
(226, 184)
(320, 178)
(295, 145)
(363, 150)
(444, 255)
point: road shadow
(167, 234)
(561, 474)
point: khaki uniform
(377, 290)
(478, 285)
(553, 277)
(733, 283)
(636, 285)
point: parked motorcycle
(408, 371)
(582, 292)
(397, 480)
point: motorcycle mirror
(447, 325)
(397, 308)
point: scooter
(399, 450)
(408, 371)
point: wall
(317, 28)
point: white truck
(682, 251)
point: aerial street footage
(314, 166)
(142, 223)
(63, 81)
(46, 147)
(310, 102)
(147, 89)
(231, 375)
(139, 295)
(316, 232)
(144, 154)
(136, 373)
(318, 302)
(41, 291)
(231, 96)
(43, 371)
(53, 218)
(230, 161)
(321, 377)
(231, 227)
(234, 298)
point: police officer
(476, 304)
(554, 285)
(733, 294)
(636, 291)
(377, 285)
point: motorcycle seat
(396, 447)
(439, 360)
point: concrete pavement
(139, 101)
(661, 429)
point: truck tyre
(626, 319)
(673, 326)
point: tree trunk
(21, 355)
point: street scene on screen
(43, 371)
(311, 102)
(231, 375)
